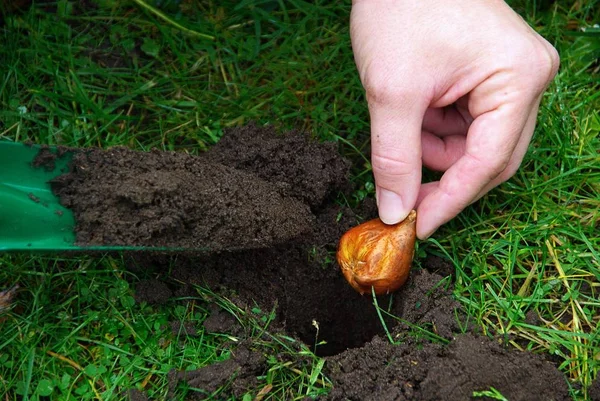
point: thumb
(396, 156)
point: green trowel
(31, 217)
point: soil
(267, 181)
(412, 371)
(46, 157)
(176, 200)
(244, 365)
(361, 362)
(594, 390)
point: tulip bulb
(374, 254)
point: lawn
(174, 75)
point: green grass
(122, 73)
(77, 333)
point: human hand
(454, 85)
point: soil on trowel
(269, 203)
(217, 201)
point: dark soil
(152, 292)
(175, 200)
(411, 371)
(244, 366)
(136, 395)
(267, 202)
(361, 362)
(594, 390)
(305, 170)
(46, 157)
(219, 321)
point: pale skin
(453, 85)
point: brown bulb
(374, 254)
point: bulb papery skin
(378, 255)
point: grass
(174, 75)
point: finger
(439, 153)
(518, 154)
(425, 190)
(513, 165)
(491, 141)
(396, 156)
(446, 121)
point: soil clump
(244, 365)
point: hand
(454, 85)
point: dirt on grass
(264, 206)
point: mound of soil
(168, 199)
(265, 202)
(427, 371)
(306, 170)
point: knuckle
(391, 167)
(536, 59)
(385, 85)
(554, 61)
(509, 171)
(496, 168)
(378, 89)
(544, 62)
(548, 62)
(492, 167)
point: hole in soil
(344, 318)
(349, 325)
(305, 294)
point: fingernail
(391, 210)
